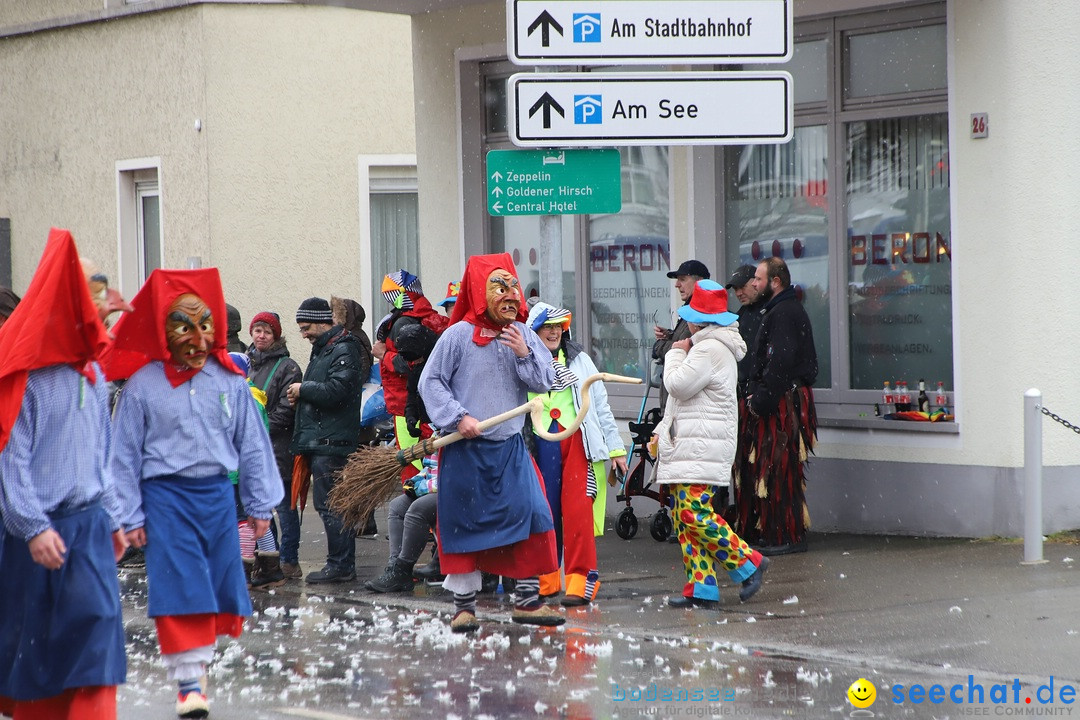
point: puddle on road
(325, 656)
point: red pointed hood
(56, 323)
(140, 334)
(471, 305)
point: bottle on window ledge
(941, 398)
(903, 397)
(924, 399)
(887, 397)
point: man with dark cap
(685, 277)
(742, 284)
(61, 626)
(327, 404)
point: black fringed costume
(777, 428)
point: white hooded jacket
(697, 437)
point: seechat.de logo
(588, 109)
(586, 27)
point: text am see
(667, 109)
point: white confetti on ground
(955, 610)
(794, 599)
(603, 649)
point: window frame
(836, 113)
(378, 174)
(135, 178)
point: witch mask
(503, 297)
(189, 331)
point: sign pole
(551, 290)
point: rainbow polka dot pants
(707, 542)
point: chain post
(1033, 442)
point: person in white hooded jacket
(573, 470)
(696, 447)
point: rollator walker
(640, 478)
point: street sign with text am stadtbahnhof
(554, 182)
(649, 32)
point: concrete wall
(77, 102)
(294, 95)
(436, 37)
(1014, 217)
(288, 96)
(18, 12)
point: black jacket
(278, 410)
(784, 354)
(328, 411)
(749, 324)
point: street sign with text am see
(690, 108)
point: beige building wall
(1014, 224)
(436, 38)
(294, 95)
(286, 98)
(82, 98)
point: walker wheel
(661, 526)
(626, 524)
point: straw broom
(372, 475)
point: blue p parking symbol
(588, 109)
(586, 27)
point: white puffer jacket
(698, 433)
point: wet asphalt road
(895, 611)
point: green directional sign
(554, 182)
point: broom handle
(536, 408)
(540, 426)
(534, 404)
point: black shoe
(691, 602)
(132, 558)
(396, 578)
(370, 528)
(431, 571)
(330, 575)
(753, 583)
(787, 549)
(574, 601)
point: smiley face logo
(862, 693)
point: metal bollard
(1033, 522)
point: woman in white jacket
(573, 470)
(696, 447)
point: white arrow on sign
(621, 32)
(497, 207)
(496, 176)
(694, 108)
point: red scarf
(56, 323)
(471, 305)
(140, 334)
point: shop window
(881, 137)
(629, 258)
(910, 60)
(777, 206)
(899, 259)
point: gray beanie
(315, 310)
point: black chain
(1059, 419)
